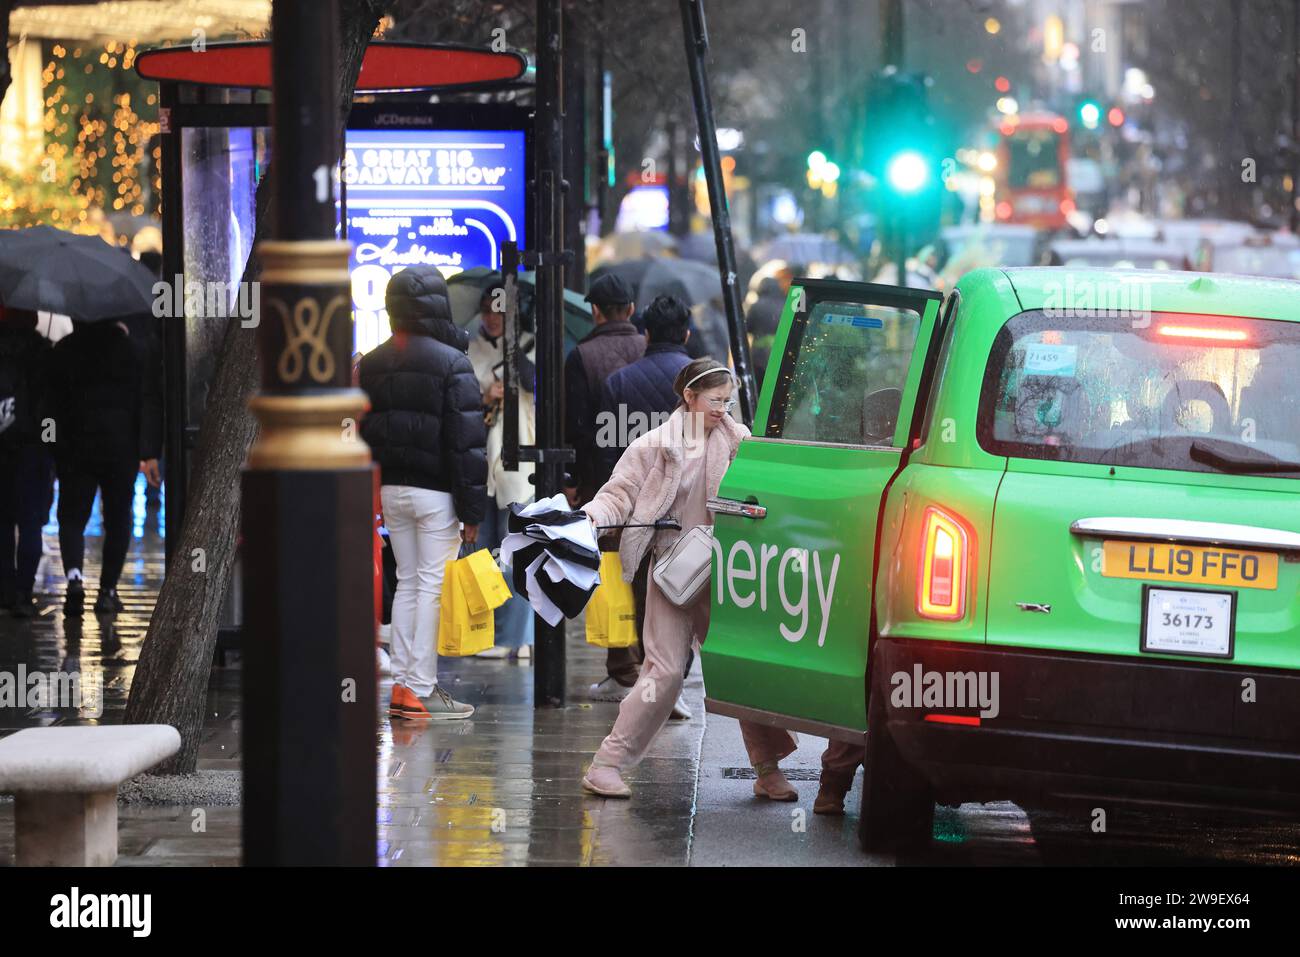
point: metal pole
(509, 349)
(891, 33)
(697, 44)
(1229, 204)
(175, 373)
(549, 664)
(574, 106)
(309, 690)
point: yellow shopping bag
(485, 587)
(460, 631)
(611, 612)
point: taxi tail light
(945, 566)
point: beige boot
(772, 784)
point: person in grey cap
(611, 345)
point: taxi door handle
(729, 506)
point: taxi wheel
(897, 800)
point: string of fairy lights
(101, 153)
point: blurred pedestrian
(512, 621)
(612, 344)
(761, 321)
(635, 399)
(425, 428)
(105, 392)
(26, 467)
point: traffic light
(823, 174)
(1090, 114)
(904, 153)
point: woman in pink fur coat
(672, 471)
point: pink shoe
(605, 782)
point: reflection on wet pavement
(502, 788)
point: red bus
(1032, 186)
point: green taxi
(1039, 541)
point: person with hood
(672, 471)
(105, 393)
(512, 621)
(425, 428)
(637, 398)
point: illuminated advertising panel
(447, 198)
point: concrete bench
(64, 782)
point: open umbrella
(465, 290)
(43, 268)
(692, 282)
(618, 247)
(806, 248)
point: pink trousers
(666, 638)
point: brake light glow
(945, 562)
(971, 721)
(1203, 332)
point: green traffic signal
(907, 172)
(1090, 114)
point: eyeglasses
(720, 405)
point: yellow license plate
(1190, 564)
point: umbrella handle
(670, 523)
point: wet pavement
(502, 788)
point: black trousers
(26, 490)
(77, 484)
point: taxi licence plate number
(1189, 564)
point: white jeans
(425, 535)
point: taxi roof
(1164, 290)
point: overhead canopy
(387, 66)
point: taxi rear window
(1165, 390)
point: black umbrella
(692, 282)
(78, 276)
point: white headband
(707, 372)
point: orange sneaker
(437, 706)
(402, 702)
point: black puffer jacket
(425, 424)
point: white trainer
(608, 690)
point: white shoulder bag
(685, 569)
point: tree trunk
(171, 678)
